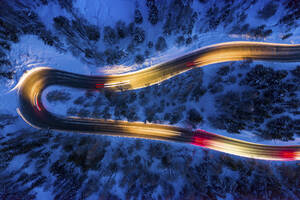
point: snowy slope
(177, 167)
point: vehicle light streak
(33, 83)
(288, 155)
(37, 104)
(190, 64)
(116, 84)
(99, 85)
(242, 148)
(202, 142)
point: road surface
(33, 82)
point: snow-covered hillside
(116, 36)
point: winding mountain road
(33, 82)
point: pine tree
(138, 18)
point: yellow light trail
(32, 110)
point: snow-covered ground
(31, 52)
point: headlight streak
(33, 112)
(116, 84)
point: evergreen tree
(138, 18)
(160, 44)
(153, 15)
